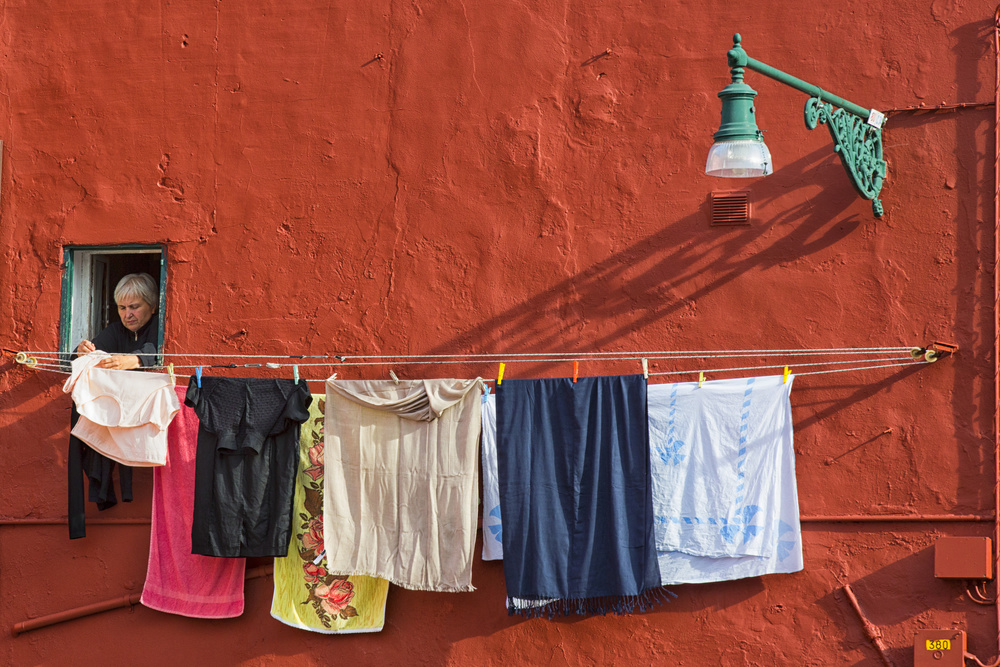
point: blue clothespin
(295, 370)
(197, 375)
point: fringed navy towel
(573, 465)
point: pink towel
(177, 581)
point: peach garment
(123, 414)
(401, 481)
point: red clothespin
(576, 370)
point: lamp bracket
(858, 144)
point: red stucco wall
(480, 188)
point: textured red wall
(487, 186)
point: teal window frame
(66, 305)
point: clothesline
(57, 363)
(531, 356)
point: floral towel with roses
(306, 595)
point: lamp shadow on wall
(658, 277)
(653, 283)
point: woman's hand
(85, 347)
(119, 362)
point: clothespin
(787, 373)
(393, 376)
(645, 369)
(197, 374)
(701, 379)
(485, 387)
(319, 557)
(295, 372)
(500, 375)
(576, 370)
(173, 378)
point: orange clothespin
(173, 378)
(576, 370)
(500, 375)
(701, 379)
(787, 373)
(645, 369)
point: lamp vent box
(963, 558)
(939, 648)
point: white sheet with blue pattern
(492, 531)
(725, 502)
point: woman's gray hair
(139, 285)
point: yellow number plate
(938, 644)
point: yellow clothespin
(645, 369)
(701, 379)
(787, 373)
(576, 370)
(500, 375)
(173, 378)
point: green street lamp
(739, 150)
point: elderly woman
(133, 340)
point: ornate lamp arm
(856, 131)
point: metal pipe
(807, 88)
(920, 108)
(897, 518)
(996, 312)
(29, 521)
(129, 600)
(873, 632)
(78, 612)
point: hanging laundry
(306, 595)
(248, 450)
(401, 480)
(177, 581)
(123, 415)
(724, 491)
(99, 470)
(573, 464)
(492, 526)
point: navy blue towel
(575, 500)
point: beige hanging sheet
(401, 483)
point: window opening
(90, 274)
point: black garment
(115, 339)
(98, 468)
(248, 455)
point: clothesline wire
(533, 356)
(908, 362)
(45, 361)
(61, 368)
(808, 363)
